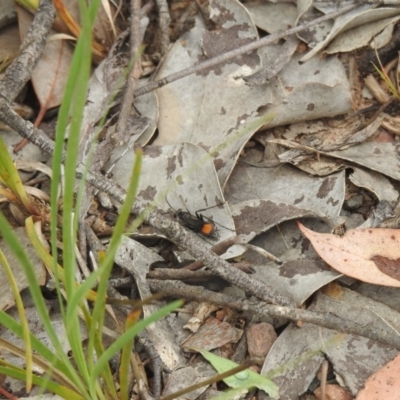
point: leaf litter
(211, 152)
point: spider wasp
(197, 223)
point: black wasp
(197, 223)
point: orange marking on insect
(207, 229)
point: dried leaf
(365, 14)
(374, 182)
(9, 43)
(380, 157)
(213, 334)
(297, 355)
(384, 384)
(50, 75)
(370, 255)
(270, 17)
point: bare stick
(24, 128)
(215, 264)
(180, 274)
(237, 52)
(20, 70)
(156, 361)
(164, 22)
(326, 320)
(135, 41)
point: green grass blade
(126, 355)
(382, 73)
(127, 336)
(34, 288)
(48, 366)
(10, 177)
(47, 258)
(106, 374)
(56, 388)
(22, 317)
(30, 5)
(72, 111)
(107, 264)
(24, 321)
(15, 327)
(13, 242)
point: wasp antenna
(172, 208)
(207, 208)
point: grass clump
(87, 374)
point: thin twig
(164, 22)
(237, 52)
(156, 361)
(180, 274)
(20, 70)
(327, 320)
(134, 75)
(24, 128)
(324, 375)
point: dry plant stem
(155, 361)
(237, 52)
(324, 375)
(376, 114)
(136, 376)
(7, 395)
(326, 320)
(24, 128)
(376, 89)
(164, 22)
(180, 274)
(20, 70)
(134, 75)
